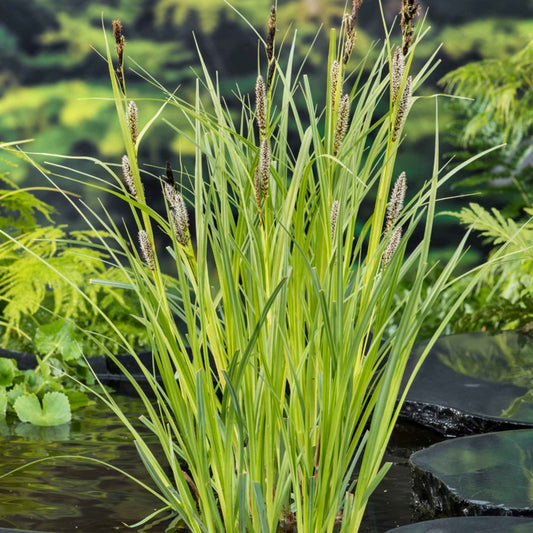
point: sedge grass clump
(278, 389)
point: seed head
(334, 75)
(403, 107)
(398, 68)
(409, 11)
(117, 31)
(172, 195)
(180, 220)
(128, 176)
(119, 40)
(342, 122)
(271, 36)
(169, 175)
(258, 192)
(260, 106)
(397, 198)
(348, 47)
(120, 44)
(333, 215)
(146, 249)
(264, 166)
(132, 120)
(349, 25)
(392, 246)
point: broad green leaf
(32, 380)
(58, 336)
(77, 399)
(7, 371)
(14, 392)
(55, 409)
(3, 403)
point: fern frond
(19, 208)
(496, 229)
(503, 89)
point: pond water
(66, 495)
(474, 383)
(484, 474)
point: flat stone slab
(478, 524)
(473, 383)
(479, 475)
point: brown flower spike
(169, 175)
(409, 12)
(349, 26)
(271, 36)
(120, 45)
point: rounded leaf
(7, 371)
(55, 409)
(3, 403)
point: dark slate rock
(479, 475)
(478, 524)
(473, 383)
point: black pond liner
(477, 524)
(481, 475)
(105, 369)
(471, 398)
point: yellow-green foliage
(498, 230)
(19, 208)
(503, 88)
(33, 293)
(42, 112)
(504, 298)
(25, 280)
(80, 34)
(486, 37)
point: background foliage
(50, 72)
(52, 75)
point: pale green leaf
(58, 336)
(3, 403)
(7, 371)
(55, 409)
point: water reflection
(493, 470)
(59, 496)
(64, 495)
(486, 374)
